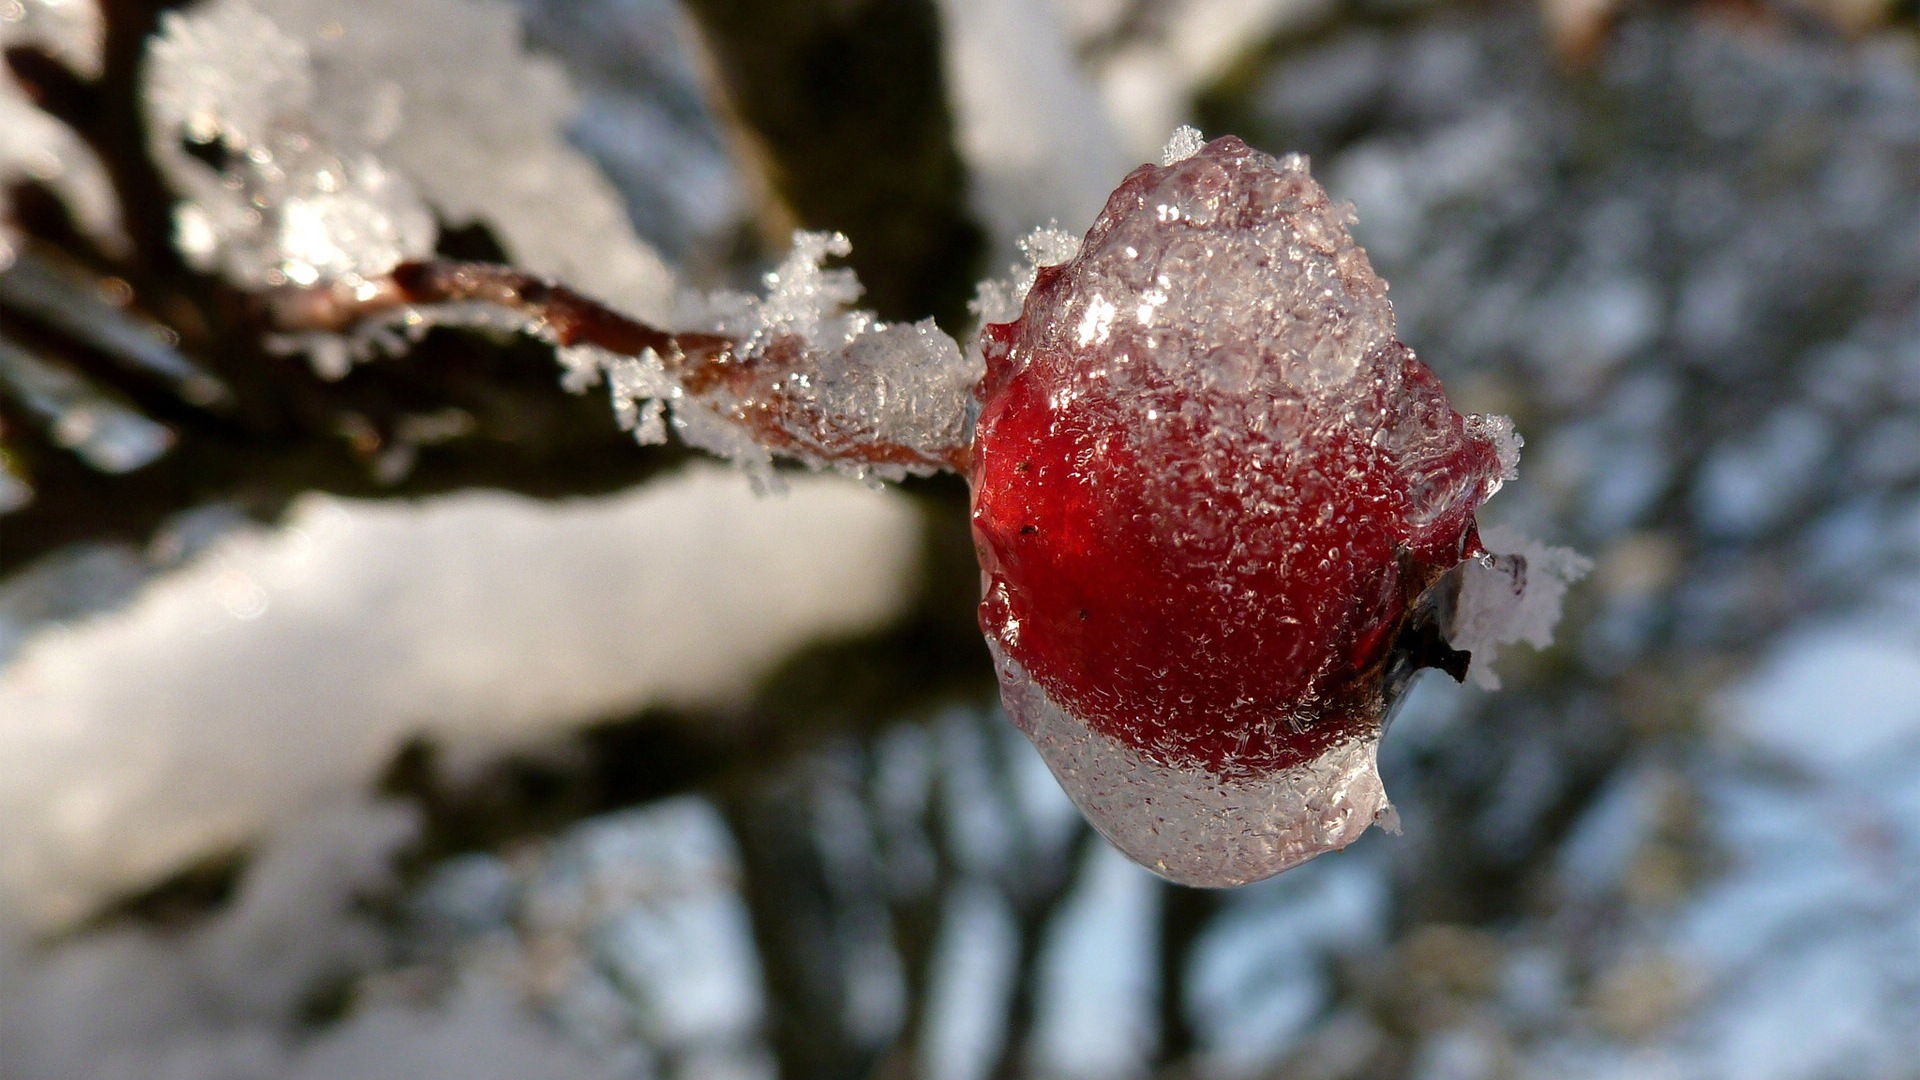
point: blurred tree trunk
(843, 104)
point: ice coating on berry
(1211, 493)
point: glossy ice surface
(1209, 488)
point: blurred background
(411, 721)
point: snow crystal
(836, 382)
(1185, 143)
(639, 386)
(1514, 596)
(397, 79)
(289, 205)
(998, 300)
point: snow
(998, 300)
(135, 1003)
(1028, 165)
(291, 206)
(398, 80)
(223, 997)
(1512, 597)
(280, 666)
(340, 131)
(68, 30)
(36, 147)
(835, 385)
(1185, 143)
(347, 124)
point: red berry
(1209, 491)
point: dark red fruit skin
(1227, 611)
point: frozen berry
(1211, 493)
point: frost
(289, 205)
(1185, 143)
(998, 300)
(1512, 597)
(806, 376)
(803, 300)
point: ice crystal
(1514, 595)
(807, 376)
(289, 204)
(1185, 143)
(398, 80)
(998, 300)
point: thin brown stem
(745, 386)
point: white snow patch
(291, 204)
(280, 665)
(1515, 596)
(1028, 164)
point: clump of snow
(1185, 143)
(71, 31)
(344, 131)
(229, 995)
(998, 300)
(33, 145)
(280, 666)
(833, 381)
(288, 205)
(1027, 164)
(1514, 596)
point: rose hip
(1211, 493)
